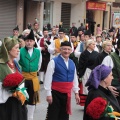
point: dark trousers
(30, 91)
(57, 110)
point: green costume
(29, 64)
(116, 69)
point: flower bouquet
(99, 107)
(13, 82)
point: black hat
(21, 37)
(74, 35)
(66, 43)
(30, 36)
(118, 44)
(16, 28)
(87, 32)
(111, 30)
(61, 30)
(29, 26)
(45, 29)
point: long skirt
(83, 90)
(12, 109)
(81, 95)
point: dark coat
(86, 60)
(104, 93)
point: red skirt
(82, 96)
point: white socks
(31, 109)
(41, 76)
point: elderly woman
(107, 48)
(11, 83)
(86, 64)
(98, 82)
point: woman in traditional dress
(86, 64)
(12, 91)
(98, 82)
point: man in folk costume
(60, 79)
(54, 34)
(73, 30)
(80, 47)
(15, 32)
(111, 34)
(44, 43)
(80, 32)
(99, 43)
(74, 42)
(38, 33)
(30, 60)
(54, 47)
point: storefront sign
(95, 5)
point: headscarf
(98, 74)
(7, 44)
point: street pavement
(40, 111)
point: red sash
(64, 87)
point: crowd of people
(63, 62)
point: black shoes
(41, 82)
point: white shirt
(0, 42)
(77, 51)
(39, 41)
(49, 75)
(52, 38)
(4, 94)
(51, 48)
(108, 61)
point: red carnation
(96, 107)
(12, 80)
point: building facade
(8, 17)
(22, 12)
(66, 11)
(99, 11)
